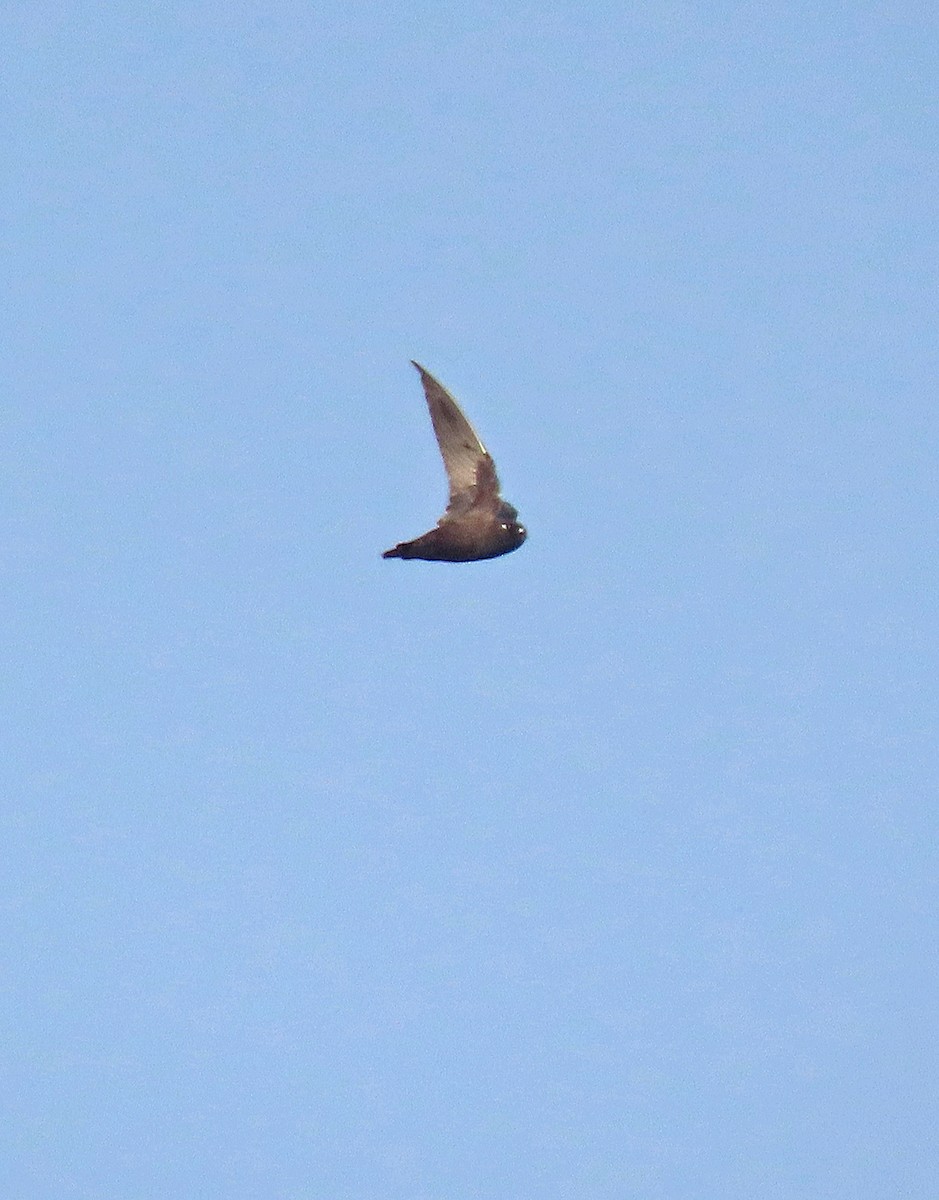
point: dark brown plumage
(478, 523)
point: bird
(478, 523)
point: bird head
(513, 533)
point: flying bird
(478, 523)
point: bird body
(478, 523)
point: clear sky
(604, 870)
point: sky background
(607, 869)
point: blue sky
(606, 869)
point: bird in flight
(478, 523)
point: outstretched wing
(470, 468)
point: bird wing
(470, 468)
